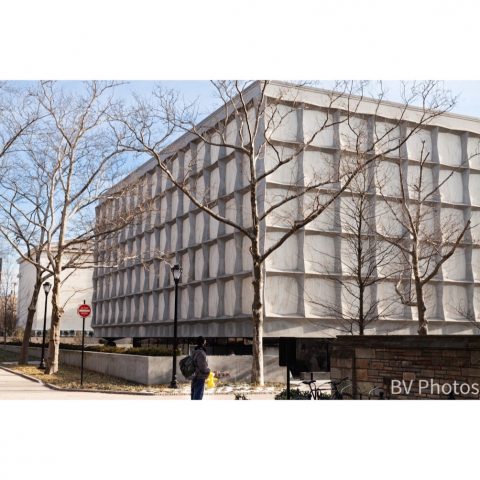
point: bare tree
(77, 159)
(252, 123)
(361, 260)
(428, 236)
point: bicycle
(337, 392)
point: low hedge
(157, 351)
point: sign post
(84, 311)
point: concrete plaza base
(156, 370)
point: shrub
(295, 394)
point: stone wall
(434, 366)
(154, 370)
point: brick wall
(419, 367)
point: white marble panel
(214, 183)
(198, 302)
(141, 310)
(231, 135)
(474, 188)
(452, 190)
(248, 126)
(318, 169)
(317, 128)
(200, 156)
(246, 255)
(198, 264)
(387, 178)
(231, 214)
(285, 214)
(188, 161)
(247, 295)
(151, 276)
(185, 264)
(419, 186)
(229, 297)
(473, 151)
(200, 191)
(452, 222)
(430, 299)
(476, 263)
(186, 204)
(353, 134)
(161, 306)
(349, 256)
(419, 145)
(199, 226)
(185, 232)
(246, 211)
(214, 224)
(212, 300)
(388, 301)
(163, 240)
(286, 257)
(319, 253)
(389, 217)
(475, 226)
(455, 267)
(153, 181)
(173, 236)
(449, 148)
(282, 123)
(455, 302)
(213, 261)
(386, 137)
(231, 174)
(176, 168)
(215, 148)
(171, 305)
(319, 297)
(163, 209)
(244, 171)
(230, 256)
(326, 219)
(351, 299)
(286, 173)
(150, 309)
(281, 295)
(476, 306)
(354, 215)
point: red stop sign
(84, 310)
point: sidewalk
(15, 387)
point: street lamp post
(177, 273)
(46, 288)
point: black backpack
(187, 367)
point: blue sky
(468, 92)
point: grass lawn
(69, 377)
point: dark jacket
(199, 356)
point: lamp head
(46, 287)
(176, 272)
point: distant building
(76, 287)
(135, 297)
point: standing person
(202, 370)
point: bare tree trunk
(257, 317)
(421, 308)
(32, 308)
(57, 312)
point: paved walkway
(15, 387)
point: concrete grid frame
(133, 287)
